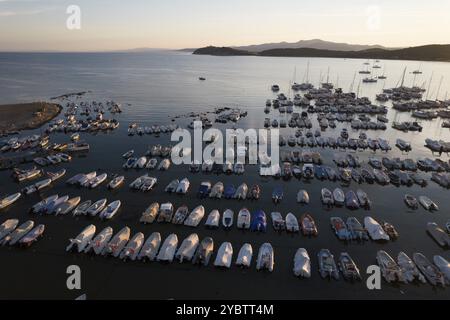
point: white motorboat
(149, 215)
(109, 212)
(187, 248)
(389, 268)
(265, 257)
(444, 267)
(204, 251)
(116, 182)
(292, 223)
(150, 248)
(194, 218)
(117, 243)
(9, 200)
(67, 206)
(100, 241)
(303, 197)
(302, 264)
(224, 255)
(41, 205)
(82, 208)
(339, 197)
(95, 182)
(428, 204)
(243, 219)
(15, 236)
(183, 186)
(131, 250)
(7, 227)
(96, 207)
(245, 255)
(409, 268)
(82, 240)
(213, 219)
(375, 230)
(227, 218)
(168, 248)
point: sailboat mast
(429, 85)
(439, 88)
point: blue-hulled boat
(259, 221)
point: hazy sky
(125, 24)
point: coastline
(26, 116)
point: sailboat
(305, 85)
(366, 71)
(383, 76)
(327, 84)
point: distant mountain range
(312, 44)
(423, 53)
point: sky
(41, 25)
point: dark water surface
(158, 86)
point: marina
(109, 183)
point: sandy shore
(22, 116)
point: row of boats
(135, 129)
(124, 246)
(25, 234)
(63, 205)
(352, 200)
(30, 142)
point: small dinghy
(151, 164)
(56, 175)
(259, 221)
(390, 230)
(217, 190)
(389, 268)
(150, 247)
(194, 218)
(340, 228)
(243, 219)
(128, 154)
(75, 179)
(327, 265)
(111, 210)
(309, 227)
(98, 180)
(165, 212)
(149, 215)
(187, 248)
(168, 248)
(140, 163)
(40, 206)
(183, 186)
(363, 199)
(444, 267)
(327, 197)
(339, 197)
(84, 180)
(351, 200)
(265, 259)
(82, 208)
(224, 255)
(204, 252)
(131, 250)
(292, 223)
(348, 267)
(66, 207)
(411, 201)
(241, 192)
(303, 197)
(375, 230)
(172, 186)
(409, 268)
(213, 219)
(428, 204)
(227, 218)
(7, 227)
(429, 270)
(117, 243)
(180, 215)
(35, 187)
(53, 205)
(278, 222)
(438, 234)
(32, 236)
(100, 241)
(302, 264)
(245, 255)
(96, 207)
(357, 231)
(82, 240)
(116, 182)
(15, 236)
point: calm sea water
(153, 88)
